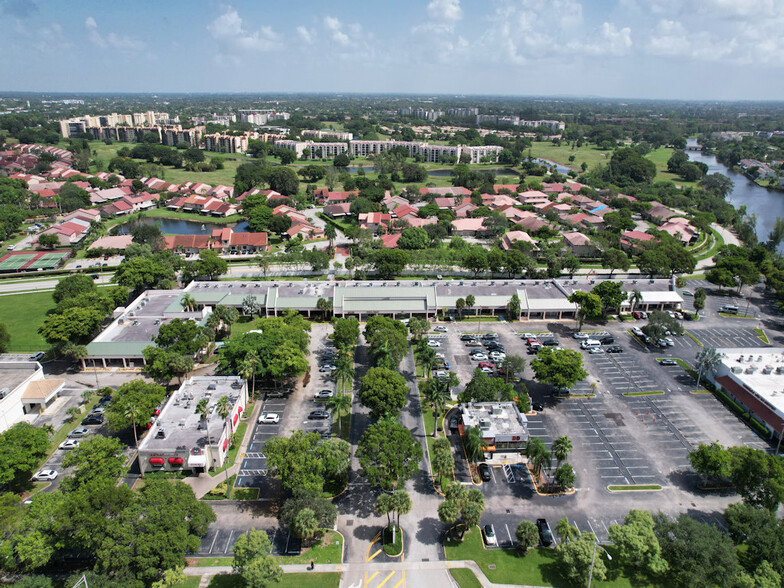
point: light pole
(593, 559)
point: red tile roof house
(337, 210)
(392, 202)
(532, 223)
(512, 236)
(468, 227)
(86, 214)
(219, 208)
(464, 208)
(444, 203)
(415, 221)
(118, 208)
(328, 197)
(404, 210)
(660, 212)
(268, 193)
(69, 232)
(390, 241)
(375, 221)
(510, 187)
(447, 191)
(493, 201)
(681, 229)
(579, 244)
(187, 244)
(306, 230)
(228, 241)
(552, 188)
(634, 239)
(292, 213)
(142, 200)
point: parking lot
(730, 336)
(293, 410)
(220, 541)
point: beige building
(24, 391)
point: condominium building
(430, 152)
(316, 150)
(262, 117)
(328, 134)
(72, 127)
(554, 125)
(226, 143)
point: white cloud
(305, 35)
(335, 28)
(112, 40)
(229, 28)
(612, 41)
(670, 38)
(446, 11)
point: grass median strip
(736, 316)
(635, 488)
(465, 578)
(693, 338)
(645, 393)
(763, 337)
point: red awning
(225, 444)
(176, 460)
(235, 419)
(156, 461)
(239, 410)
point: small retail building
(24, 391)
(503, 427)
(180, 439)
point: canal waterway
(766, 204)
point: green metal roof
(117, 348)
(389, 305)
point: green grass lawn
(313, 580)
(190, 582)
(539, 567)
(231, 162)
(660, 157)
(23, 314)
(239, 433)
(589, 154)
(465, 578)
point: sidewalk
(366, 567)
(205, 482)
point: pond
(496, 171)
(172, 226)
(561, 169)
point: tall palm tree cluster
(344, 376)
(540, 461)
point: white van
(590, 344)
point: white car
(441, 374)
(687, 292)
(595, 350)
(69, 444)
(637, 331)
(497, 356)
(579, 336)
(433, 343)
(479, 357)
(679, 316)
(269, 418)
(529, 336)
(327, 368)
(486, 370)
(440, 356)
(669, 341)
(44, 476)
(439, 329)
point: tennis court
(13, 262)
(48, 260)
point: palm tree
(133, 412)
(474, 444)
(330, 233)
(565, 530)
(635, 297)
(345, 372)
(224, 410)
(708, 360)
(339, 404)
(188, 302)
(537, 455)
(562, 447)
(263, 262)
(436, 393)
(248, 369)
(428, 359)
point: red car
(637, 314)
(534, 342)
(486, 364)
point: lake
(496, 171)
(172, 226)
(766, 204)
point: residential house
(118, 208)
(465, 208)
(392, 202)
(444, 203)
(390, 241)
(514, 236)
(374, 221)
(405, 211)
(69, 232)
(187, 244)
(219, 208)
(580, 244)
(659, 212)
(635, 239)
(119, 242)
(415, 221)
(468, 227)
(449, 190)
(681, 229)
(511, 187)
(305, 230)
(337, 210)
(227, 241)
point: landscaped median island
(645, 393)
(634, 488)
(762, 335)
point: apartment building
(76, 126)
(430, 152)
(316, 150)
(328, 134)
(221, 143)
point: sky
(660, 49)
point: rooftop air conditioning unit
(484, 424)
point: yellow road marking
(370, 579)
(403, 579)
(374, 555)
(386, 579)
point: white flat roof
(756, 361)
